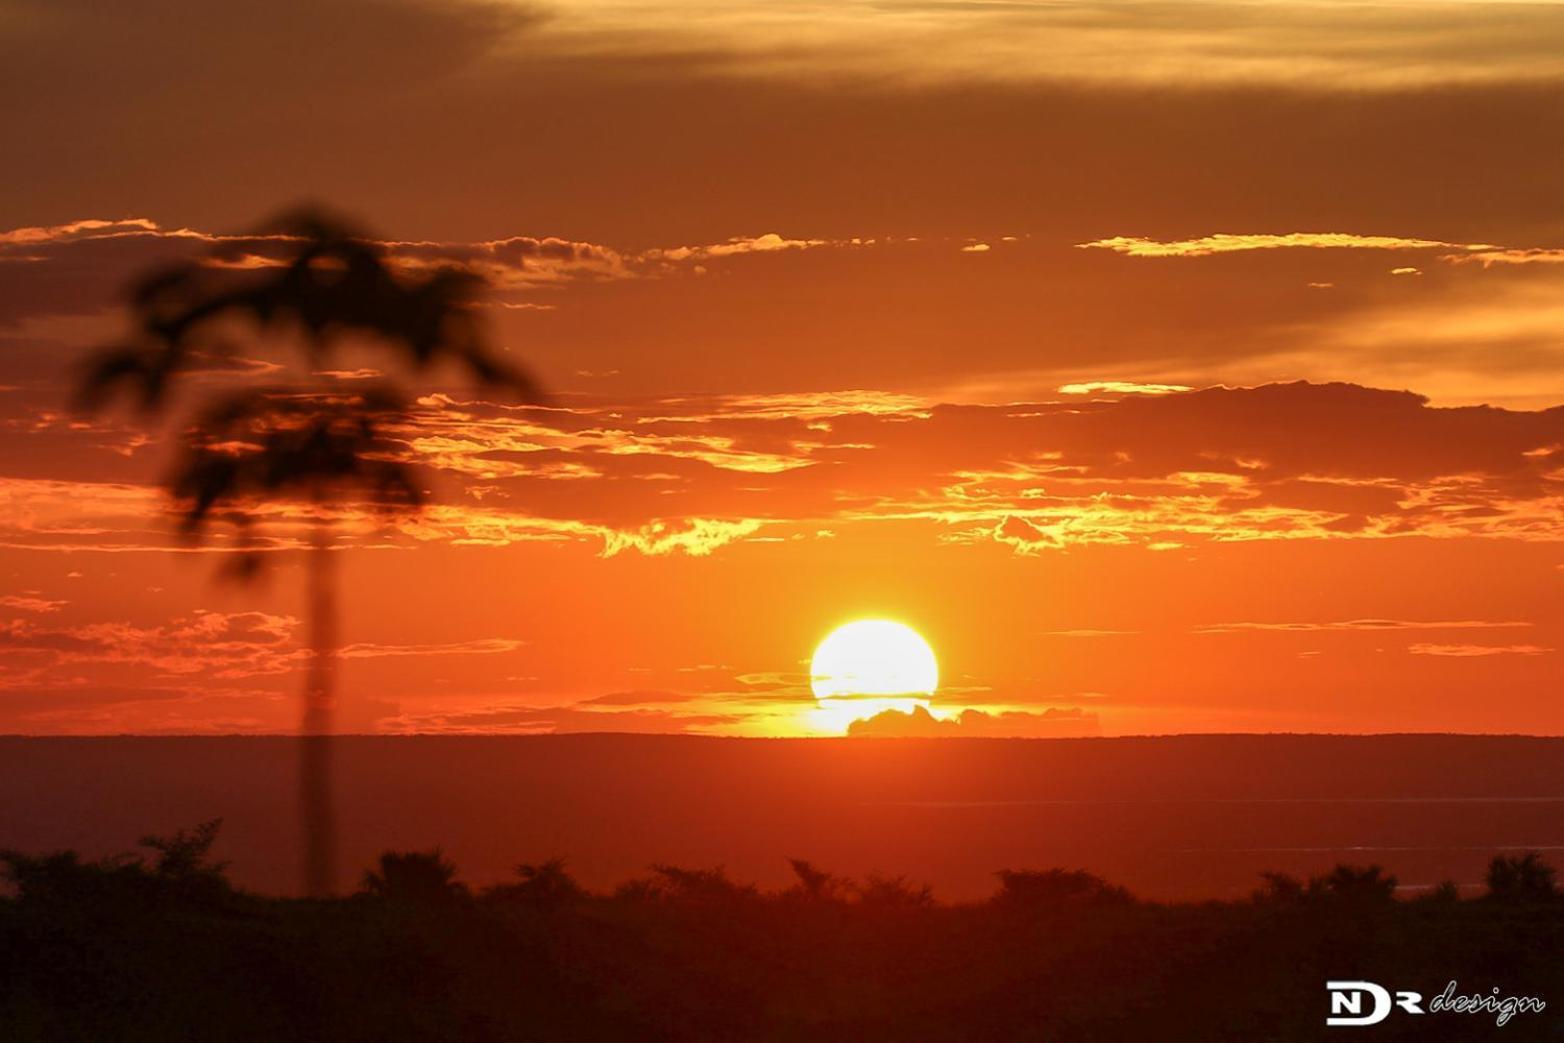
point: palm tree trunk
(317, 814)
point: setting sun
(866, 667)
(873, 657)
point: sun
(873, 657)
(869, 666)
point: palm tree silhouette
(315, 447)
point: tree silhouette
(680, 884)
(544, 884)
(415, 878)
(815, 884)
(182, 872)
(306, 450)
(1361, 885)
(894, 894)
(1348, 885)
(1521, 878)
(1056, 889)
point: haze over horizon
(1178, 817)
(1192, 372)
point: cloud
(920, 723)
(557, 720)
(87, 228)
(463, 526)
(808, 406)
(229, 645)
(1449, 337)
(1223, 242)
(1121, 387)
(30, 602)
(577, 303)
(1373, 625)
(771, 242)
(1317, 155)
(1028, 538)
(1471, 651)
(74, 706)
(193, 673)
(696, 474)
(1490, 257)
(1410, 44)
(478, 646)
(1442, 329)
(188, 653)
(1090, 633)
(696, 537)
(77, 267)
(639, 697)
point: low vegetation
(161, 946)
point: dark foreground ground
(162, 948)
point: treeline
(429, 877)
(162, 946)
(181, 868)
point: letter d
(1347, 998)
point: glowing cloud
(1222, 242)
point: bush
(1360, 885)
(1279, 889)
(1521, 878)
(815, 884)
(543, 884)
(894, 894)
(414, 878)
(1443, 893)
(1345, 884)
(677, 884)
(182, 871)
(1056, 888)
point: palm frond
(267, 444)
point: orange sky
(1170, 367)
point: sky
(1169, 366)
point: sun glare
(869, 666)
(873, 657)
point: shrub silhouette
(893, 894)
(677, 884)
(182, 871)
(62, 876)
(1443, 893)
(542, 884)
(1521, 878)
(1280, 889)
(123, 948)
(1343, 885)
(815, 884)
(1360, 885)
(1056, 888)
(414, 878)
